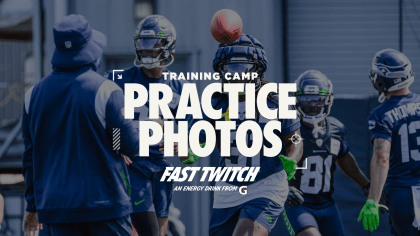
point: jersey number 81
(315, 174)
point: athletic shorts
(327, 220)
(148, 193)
(262, 210)
(401, 211)
(118, 227)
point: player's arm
(189, 120)
(30, 221)
(293, 151)
(350, 168)
(379, 167)
(114, 117)
(192, 157)
(379, 171)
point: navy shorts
(118, 227)
(262, 210)
(327, 220)
(148, 193)
(401, 211)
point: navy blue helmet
(390, 71)
(314, 96)
(245, 55)
(154, 42)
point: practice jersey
(156, 161)
(268, 165)
(316, 179)
(398, 121)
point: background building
(337, 37)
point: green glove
(370, 215)
(192, 157)
(289, 167)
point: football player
(325, 144)
(395, 127)
(154, 42)
(255, 213)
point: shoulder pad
(337, 127)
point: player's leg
(145, 223)
(303, 221)
(223, 220)
(257, 217)
(401, 210)
(163, 225)
(329, 221)
(120, 227)
(68, 229)
(247, 227)
(309, 231)
(143, 217)
(162, 197)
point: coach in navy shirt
(72, 173)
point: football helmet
(390, 70)
(314, 96)
(154, 42)
(245, 55)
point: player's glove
(370, 215)
(383, 202)
(289, 167)
(191, 156)
(295, 198)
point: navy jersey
(156, 161)
(398, 120)
(319, 156)
(268, 165)
(72, 173)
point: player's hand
(383, 202)
(192, 157)
(295, 198)
(370, 215)
(30, 224)
(289, 166)
(127, 160)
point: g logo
(243, 190)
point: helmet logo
(383, 70)
(396, 81)
(311, 89)
(161, 34)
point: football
(226, 26)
